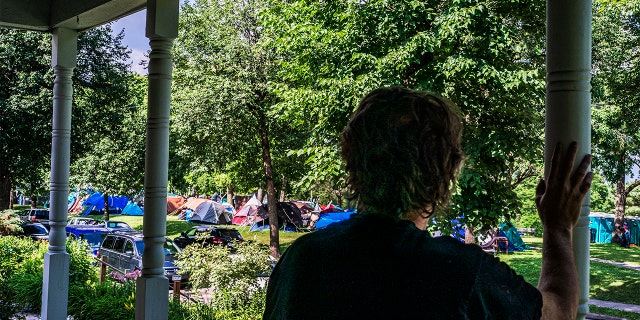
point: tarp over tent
(206, 211)
(332, 217)
(95, 203)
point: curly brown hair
(402, 152)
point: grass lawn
(607, 282)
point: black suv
(124, 249)
(207, 235)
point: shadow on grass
(612, 283)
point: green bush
(530, 220)
(237, 291)
(107, 301)
(9, 222)
(21, 272)
(224, 305)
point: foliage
(224, 307)
(214, 266)
(602, 195)
(100, 93)
(115, 162)
(485, 56)
(21, 271)
(26, 105)
(601, 201)
(9, 222)
(615, 138)
(109, 301)
(222, 101)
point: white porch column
(568, 106)
(55, 283)
(152, 289)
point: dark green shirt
(374, 268)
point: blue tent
(95, 202)
(133, 209)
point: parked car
(81, 221)
(35, 231)
(35, 215)
(207, 235)
(124, 249)
(93, 234)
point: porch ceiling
(44, 15)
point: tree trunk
(274, 235)
(32, 196)
(11, 199)
(621, 202)
(283, 189)
(106, 207)
(230, 196)
(469, 235)
(5, 187)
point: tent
(256, 215)
(205, 211)
(305, 207)
(95, 203)
(251, 212)
(507, 229)
(133, 209)
(289, 217)
(332, 217)
(174, 202)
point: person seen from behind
(402, 152)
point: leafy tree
(115, 163)
(26, 82)
(100, 92)
(486, 56)
(223, 120)
(615, 114)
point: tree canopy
(485, 56)
(615, 112)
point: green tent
(507, 229)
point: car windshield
(233, 234)
(117, 224)
(94, 239)
(169, 247)
(34, 229)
